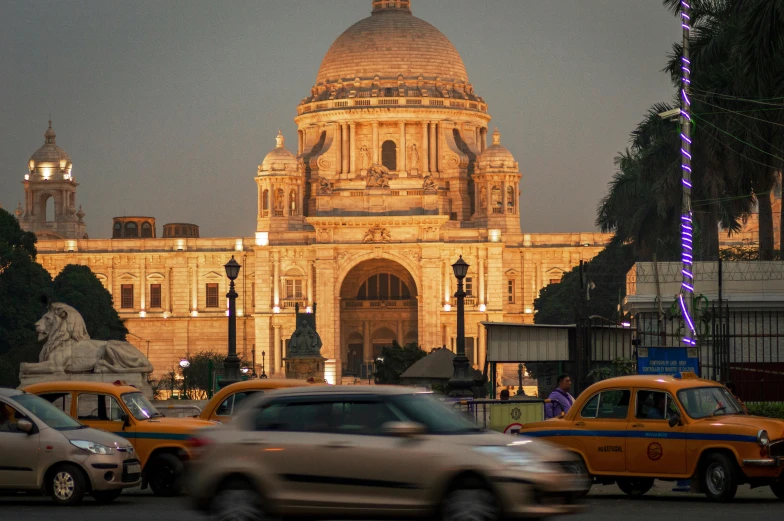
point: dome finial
(380, 6)
(496, 137)
(279, 139)
(49, 135)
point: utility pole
(686, 295)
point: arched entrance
(378, 306)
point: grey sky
(167, 107)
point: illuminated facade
(391, 180)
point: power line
(741, 140)
(741, 114)
(761, 101)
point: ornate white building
(392, 180)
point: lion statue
(69, 349)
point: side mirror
(403, 429)
(675, 420)
(126, 420)
(25, 426)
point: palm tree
(737, 64)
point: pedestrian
(560, 401)
(731, 387)
(505, 394)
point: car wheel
(164, 474)
(470, 502)
(67, 485)
(719, 478)
(581, 470)
(105, 497)
(777, 487)
(635, 487)
(237, 501)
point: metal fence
(742, 346)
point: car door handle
(579, 424)
(337, 445)
(638, 425)
(253, 442)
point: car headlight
(92, 447)
(762, 438)
(515, 458)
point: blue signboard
(667, 360)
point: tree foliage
(604, 287)
(24, 284)
(196, 377)
(395, 360)
(78, 286)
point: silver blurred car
(42, 448)
(332, 452)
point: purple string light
(686, 295)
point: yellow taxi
(224, 404)
(634, 429)
(160, 442)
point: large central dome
(391, 43)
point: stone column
(481, 337)
(430, 306)
(503, 197)
(433, 148)
(278, 350)
(482, 139)
(489, 189)
(481, 280)
(345, 153)
(367, 347)
(352, 143)
(425, 160)
(143, 292)
(401, 163)
(310, 283)
(300, 142)
(375, 144)
(338, 144)
(447, 286)
(448, 337)
(276, 280)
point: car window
(101, 407)
(612, 404)
(437, 417)
(46, 412)
(9, 418)
(294, 417)
(655, 405)
(701, 402)
(60, 400)
(140, 407)
(228, 407)
(360, 417)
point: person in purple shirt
(560, 399)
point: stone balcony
(317, 106)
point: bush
(768, 409)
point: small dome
(50, 159)
(391, 43)
(496, 156)
(280, 159)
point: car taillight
(197, 445)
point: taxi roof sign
(686, 375)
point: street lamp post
(461, 383)
(263, 373)
(232, 362)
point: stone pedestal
(138, 380)
(304, 368)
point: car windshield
(47, 413)
(438, 417)
(140, 407)
(703, 402)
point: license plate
(134, 468)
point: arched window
(117, 230)
(510, 199)
(146, 229)
(265, 203)
(280, 200)
(483, 197)
(496, 201)
(384, 286)
(389, 155)
(293, 202)
(50, 209)
(131, 229)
